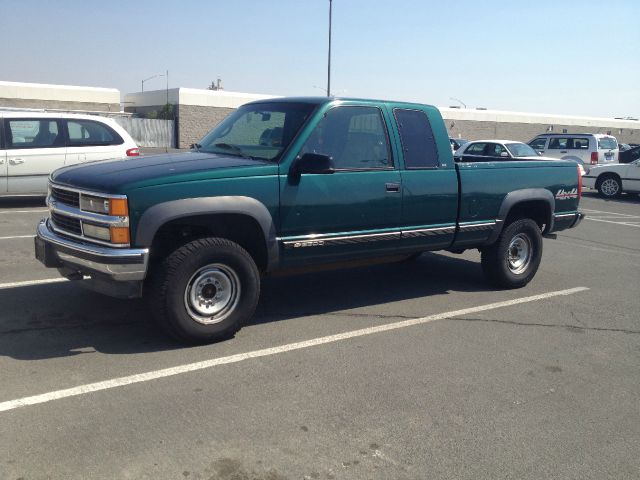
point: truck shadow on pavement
(62, 319)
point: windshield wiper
(235, 148)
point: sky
(544, 56)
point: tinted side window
(558, 143)
(538, 143)
(416, 136)
(494, 150)
(354, 137)
(33, 133)
(85, 133)
(579, 143)
(476, 149)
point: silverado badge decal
(564, 195)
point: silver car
(583, 148)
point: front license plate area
(45, 254)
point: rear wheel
(609, 186)
(204, 291)
(513, 260)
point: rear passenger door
(429, 181)
(35, 148)
(90, 140)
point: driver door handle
(16, 161)
(392, 187)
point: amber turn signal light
(118, 207)
(120, 235)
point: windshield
(260, 130)
(607, 143)
(521, 150)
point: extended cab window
(354, 137)
(558, 143)
(33, 133)
(418, 145)
(87, 133)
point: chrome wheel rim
(609, 187)
(212, 293)
(519, 253)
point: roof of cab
(323, 100)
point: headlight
(106, 206)
(94, 204)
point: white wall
(60, 93)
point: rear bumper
(579, 217)
(562, 221)
(107, 267)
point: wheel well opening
(606, 175)
(241, 229)
(537, 210)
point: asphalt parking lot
(408, 370)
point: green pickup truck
(292, 183)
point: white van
(583, 148)
(33, 144)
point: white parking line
(597, 249)
(41, 210)
(28, 283)
(17, 236)
(192, 367)
(626, 224)
(588, 210)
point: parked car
(33, 144)
(194, 232)
(456, 143)
(499, 150)
(630, 155)
(623, 147)
(612, 180)
(583, 148)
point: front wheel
(204, 291)
(513, 260)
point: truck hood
(116, 176)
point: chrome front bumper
(84, 259)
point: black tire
(609, 186)
(513, 260)
(215, 271)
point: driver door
(354, 212)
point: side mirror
(539, 154)
(312, 163)
(504, 154)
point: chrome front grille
(67, 197)
(67, 218)
(66, 223)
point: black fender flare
(519, 196)
(161, 213)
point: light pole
(329, 59)
(458, 100)
(154, 76)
